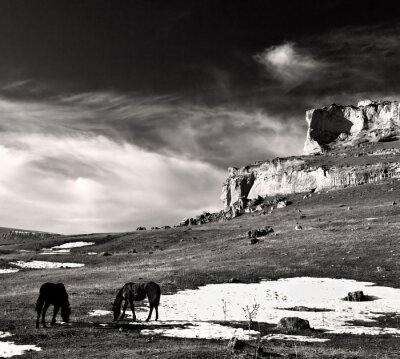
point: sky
(119, 114)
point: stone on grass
(357, 296)
(253, 240)
(236, 345)
(298, 227)
(234, 280)
(294, 324)
(260, 232)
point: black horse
(51, 293)
(134, 292)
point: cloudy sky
(115, 114)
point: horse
(135, 292)
(51, 293)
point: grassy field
(335, 242)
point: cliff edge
(334, 126)
(345, 146)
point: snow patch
(297, 338)
(66, 247)
(99, 312)
(73, 245)
(46, 265)
(201, 330)
(208, 302)
(8, 270)
(9, 349)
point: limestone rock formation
(351, 145)
(334, 126)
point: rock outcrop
(335, 125)
(351, 145)
(285, 176)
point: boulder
(357, 296)
(234, 280)
(236, 346)
(255, 233)
(293, 324)
(281, 204)
(141, 228)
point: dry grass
(334, 243)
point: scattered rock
(293, 324)
(394, 203)
(255, 233)
(106, 254)
(141, 228)
(281, 204)
(165, 227)
(234, 280)
(349, 208)
(357, 296)
(236, 345)
(298, 227)
(253, 241)
(382, 269)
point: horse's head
(116, 310)
(65, 312)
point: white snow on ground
(46, 265)
(59, 251)
(9, 349)
(201, 307)
(66, 247)
(91, 253)
(297, 338)
(73, 245)
(99, 312)
(8, 270)
(206, 303)
(202, 330)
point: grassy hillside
(336, 241)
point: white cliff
(331, 131)
(333, 126)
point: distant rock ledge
(337, 126)
(345, 146)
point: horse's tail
(39, 303)
(153, 293)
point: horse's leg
(46, 306)
(56, 309)
(151, 311)
(156, 312)
(39, 308)
(124, 310)
(133, 309)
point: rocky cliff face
(352, 145)
(334, 126)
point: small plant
(251, 313)
(224, 308)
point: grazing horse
(55, 294)
(135, 292)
